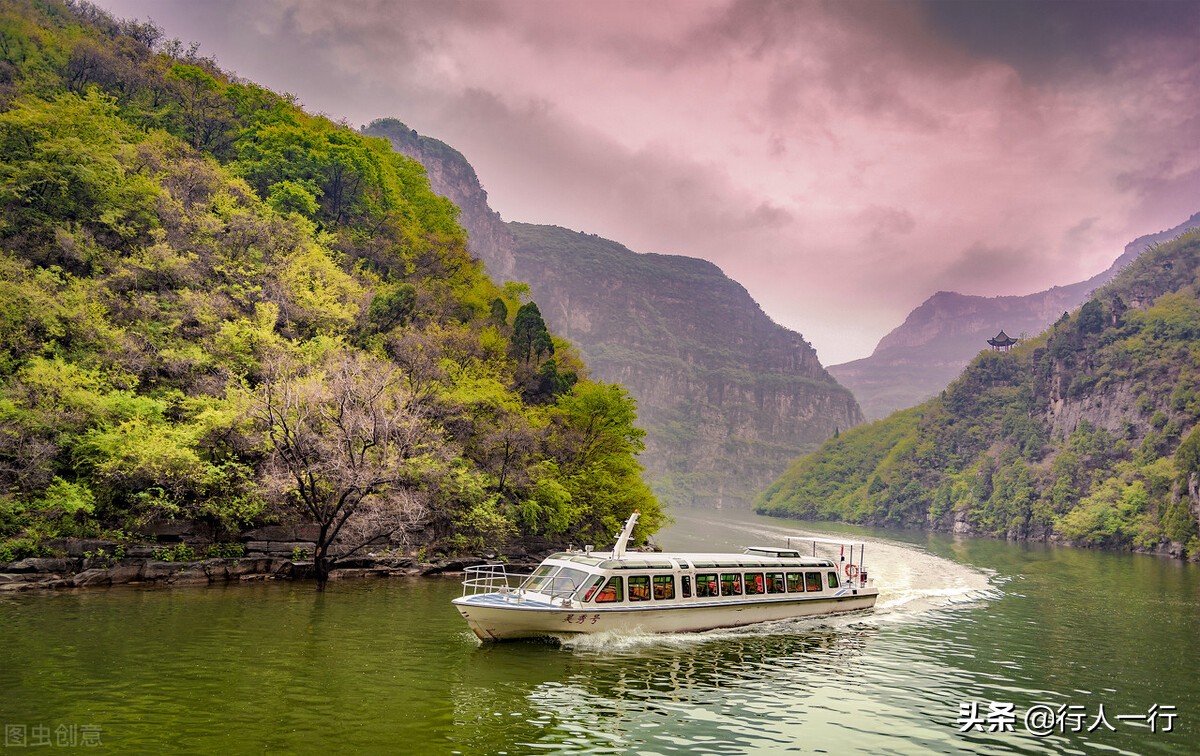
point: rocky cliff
(936, 341)
(453, 177)
(727, 396)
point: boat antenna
(618, 551)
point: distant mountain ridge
(727, 396)
(936, 341)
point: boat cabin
(581, 579)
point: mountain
(453, 177)
(220, 310)
(727, 396)
(1085, 433)
(939, 338)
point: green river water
(963, 627)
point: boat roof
(668, 560)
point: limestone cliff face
(452, 177)
(936, 341)
(727, 397)
(1116, 410)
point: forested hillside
(1087, 433)
(217, 307)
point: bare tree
(348, 450)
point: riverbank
(49, 573)
(181, 555)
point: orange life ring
(851, 571)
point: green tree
(1178, 522)
(393, 308)
(65, 163)
(499, 311)
(595, 441)
(1187, 456)
(530, 338)
(1091, 317)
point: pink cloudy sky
(842, 160)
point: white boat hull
(503, 617)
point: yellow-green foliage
(167, 234)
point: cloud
(995, 267)
(841, 160)
(884, 223)
(1061, 40)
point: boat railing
(495, 578)
(491, 578)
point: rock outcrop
(451, 176)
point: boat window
(706, 585)
(775, 582)
(832, 578)
(641, 564)
(540, 579)
(731, 584)
(580, 558)
(591, 587)
(685, 582)
(795, 582)
(613, 591)
(664, 586)
(813, 581)
(755, 584)
(639, 587)
(568, 579)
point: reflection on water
(383, 666)
(681, 693)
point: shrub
(180, 552)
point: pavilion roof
(1002, 339)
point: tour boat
(574, 592)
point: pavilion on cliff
(1002, 342)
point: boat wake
(623, 641)
(912, 581)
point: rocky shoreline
(40, 573)
(181, 555)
